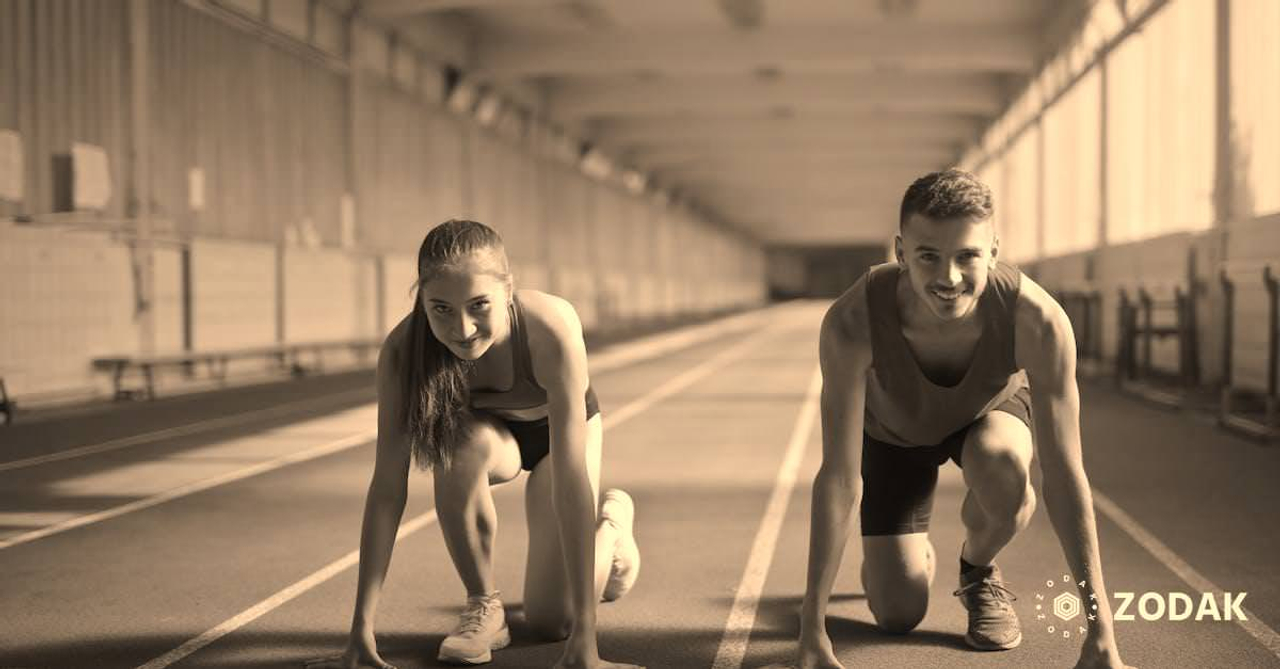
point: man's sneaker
(993, 625)
(621, 511)
(482, 628)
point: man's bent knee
(898, 604)
(549, 625)
(899, 619)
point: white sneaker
(482, 628)
(621, 511)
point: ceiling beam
(446, 37)
(913, 46)
(852, 225)
(395, 9)
(580, 99)
(773, 177)
(879, 128)
(677, 157)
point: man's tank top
(525, 400)
(902, 405)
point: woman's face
(466, 306)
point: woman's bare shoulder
(549, 317)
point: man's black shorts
(898, 481)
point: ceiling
(798, 121)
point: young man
(926, 360)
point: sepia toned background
(212, 207)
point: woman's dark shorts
(898, 481)
(533, 437)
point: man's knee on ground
(899, 618)
(898, 604)
(549, 625)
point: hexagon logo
(1066, 606)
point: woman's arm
(560, 365)
(385, 501)
(384, 505)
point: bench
(1083, 305)
(1151, 312)
(290, 357)
(1249, 358)
(7, 407)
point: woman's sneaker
(481, 629)
(619, 509)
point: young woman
(479, 382)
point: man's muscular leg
(1000, 501)
(997, 459)
(896, 572)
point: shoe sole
(977, 645)
(500, 641)
(613, 589)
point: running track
(219, 530)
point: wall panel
(65, 297)
(233, 289)
(64, 68)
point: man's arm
(845, 356)
(1046, 349)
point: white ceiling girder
(678, 157)
(825, 226)
(895, 45)
(767, 175)
(796, 161)
(883, 128)
(814, 93)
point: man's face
(947, 262)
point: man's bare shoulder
(846, 327)
(1043, 331)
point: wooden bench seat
(297, 358)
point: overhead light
(488, 109)
(634, 181)
(595, 164)
(462, 95)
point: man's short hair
(951, 193)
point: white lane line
(1253, 625)
(327, 572)
(280, 598)
(615, 418)
(357, 439)
(178, 431)
(684, 380)
(737, 630)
